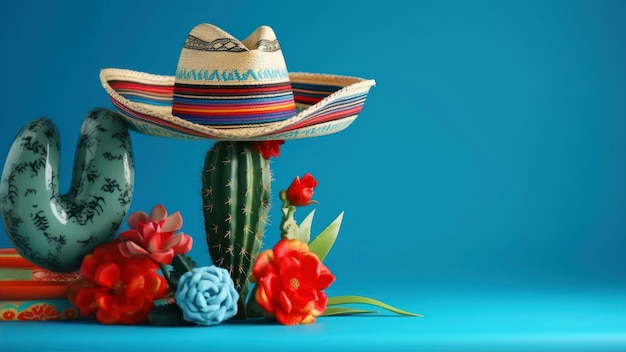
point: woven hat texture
(226, 89)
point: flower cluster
(121, 283)
(120, 280)
(290, 278)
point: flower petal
(262, 264)
(181, 243)
(285, 302)
(131, 249)
(309, 181)
(136, 217)
(302, 298)
(267, 149)
(104, 300)
(158, 213)
(164, 256)
(127, 304)
(292, 318)
(155, 285)
(288, 267)
(325, 279)
(149, 229)
(309, 319)
(135, 283)
(88, 266)
(310, 266)
(273, 286)
(153, 240)
(320, 304)
(285, 246)
(107, 274)
(86, 300)
(263, 300)
(172, 223)
(132, 235)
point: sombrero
(226, 89)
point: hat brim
(325, 104)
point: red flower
(300, 191)
(290, 280)
(154, 237)
(119, 290)
(268, 149)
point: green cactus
(236, 200)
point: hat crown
(263, 39)
(211, 38)
(223, 81)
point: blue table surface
(463, 319)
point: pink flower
(154, 237)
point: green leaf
(304, 230)
(345, 311)
(366, 300)
(253, 310)
(167, 315)
(322, 244)
(180, 265)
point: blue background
(483, 182)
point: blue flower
(207, 295)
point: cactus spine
(236, 200)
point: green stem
(167, 276)
(288, 225)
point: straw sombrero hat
(226, 89)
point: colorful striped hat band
(248, 82)
(227, 89)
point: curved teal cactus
(56, 231)
(236, 200)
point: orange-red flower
(300, 191)
(154, 237)
(268, 149)
(118, 289)
(290, 282)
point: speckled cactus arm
(236, 199)
(56, 231)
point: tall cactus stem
(236, 182)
